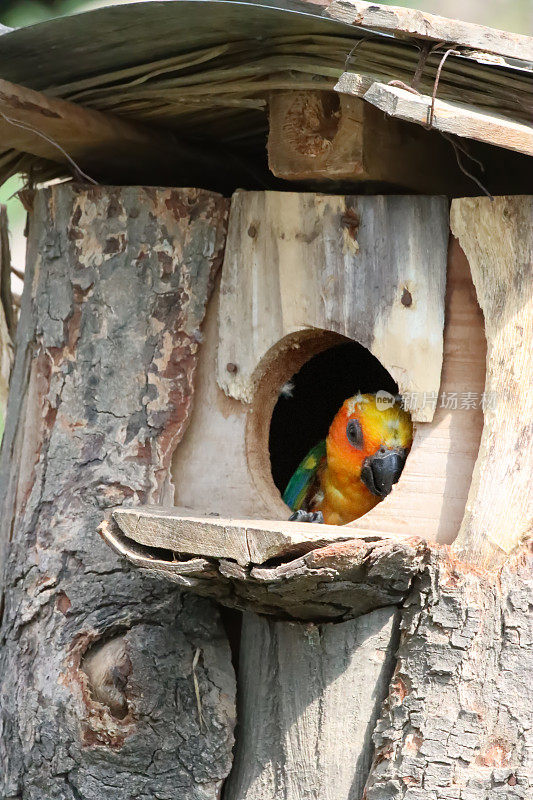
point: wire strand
(55, 144)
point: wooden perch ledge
(283, 569)
(244, 541)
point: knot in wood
(407, 298)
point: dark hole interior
(302, 418)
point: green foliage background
(17, 13)
(513, 15)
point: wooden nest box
(303, 275)
(197, 306)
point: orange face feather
(361, 435)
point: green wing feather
(303, 479)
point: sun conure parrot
(349, 472)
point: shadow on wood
(305, 694)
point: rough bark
(458, 721)
(309, 699)
(97, 693)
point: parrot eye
(354, 433)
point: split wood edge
(246, 541)
(496, 235)
(7, 319)
(411, 23)
(448, 117)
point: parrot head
(368, 443)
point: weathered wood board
(497, 237)
(342, 264)
(429, 500)
(413, 23)
(430, 497)
(453, 118)
(97, 691)
(310, 696)
(242, 540)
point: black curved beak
(381, 470)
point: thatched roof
(204, 68)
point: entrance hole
(309, 400)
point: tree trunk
(457, 724)
(112, 684)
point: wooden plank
(323, 136)
(429, 500)
(430, 497)
(245, 541)
(409, 22)
(310, 696)
(321, 256)
(65, 132)
(497, 237)
(454, 118)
